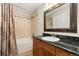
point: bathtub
(24, 44)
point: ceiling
(29, 7)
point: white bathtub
(24, 44)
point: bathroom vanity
(59, 18)
(42, 48)
(60, 48)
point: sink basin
(50, 38)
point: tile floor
(27, 53)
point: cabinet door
(61, 52)
(46, 49)
(41, 48)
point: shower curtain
(8, 40)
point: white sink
(50, 38)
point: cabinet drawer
(61, 52)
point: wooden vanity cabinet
(41, 48)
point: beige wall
(34, 23)
(40, 19)
(22, 23)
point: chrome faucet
(54, 35)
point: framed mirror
(62, 17)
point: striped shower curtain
(8, 41)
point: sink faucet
(53, 34)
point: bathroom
(29, 24)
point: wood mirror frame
(73, 19)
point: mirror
(61, 18)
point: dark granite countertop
(66, 44)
